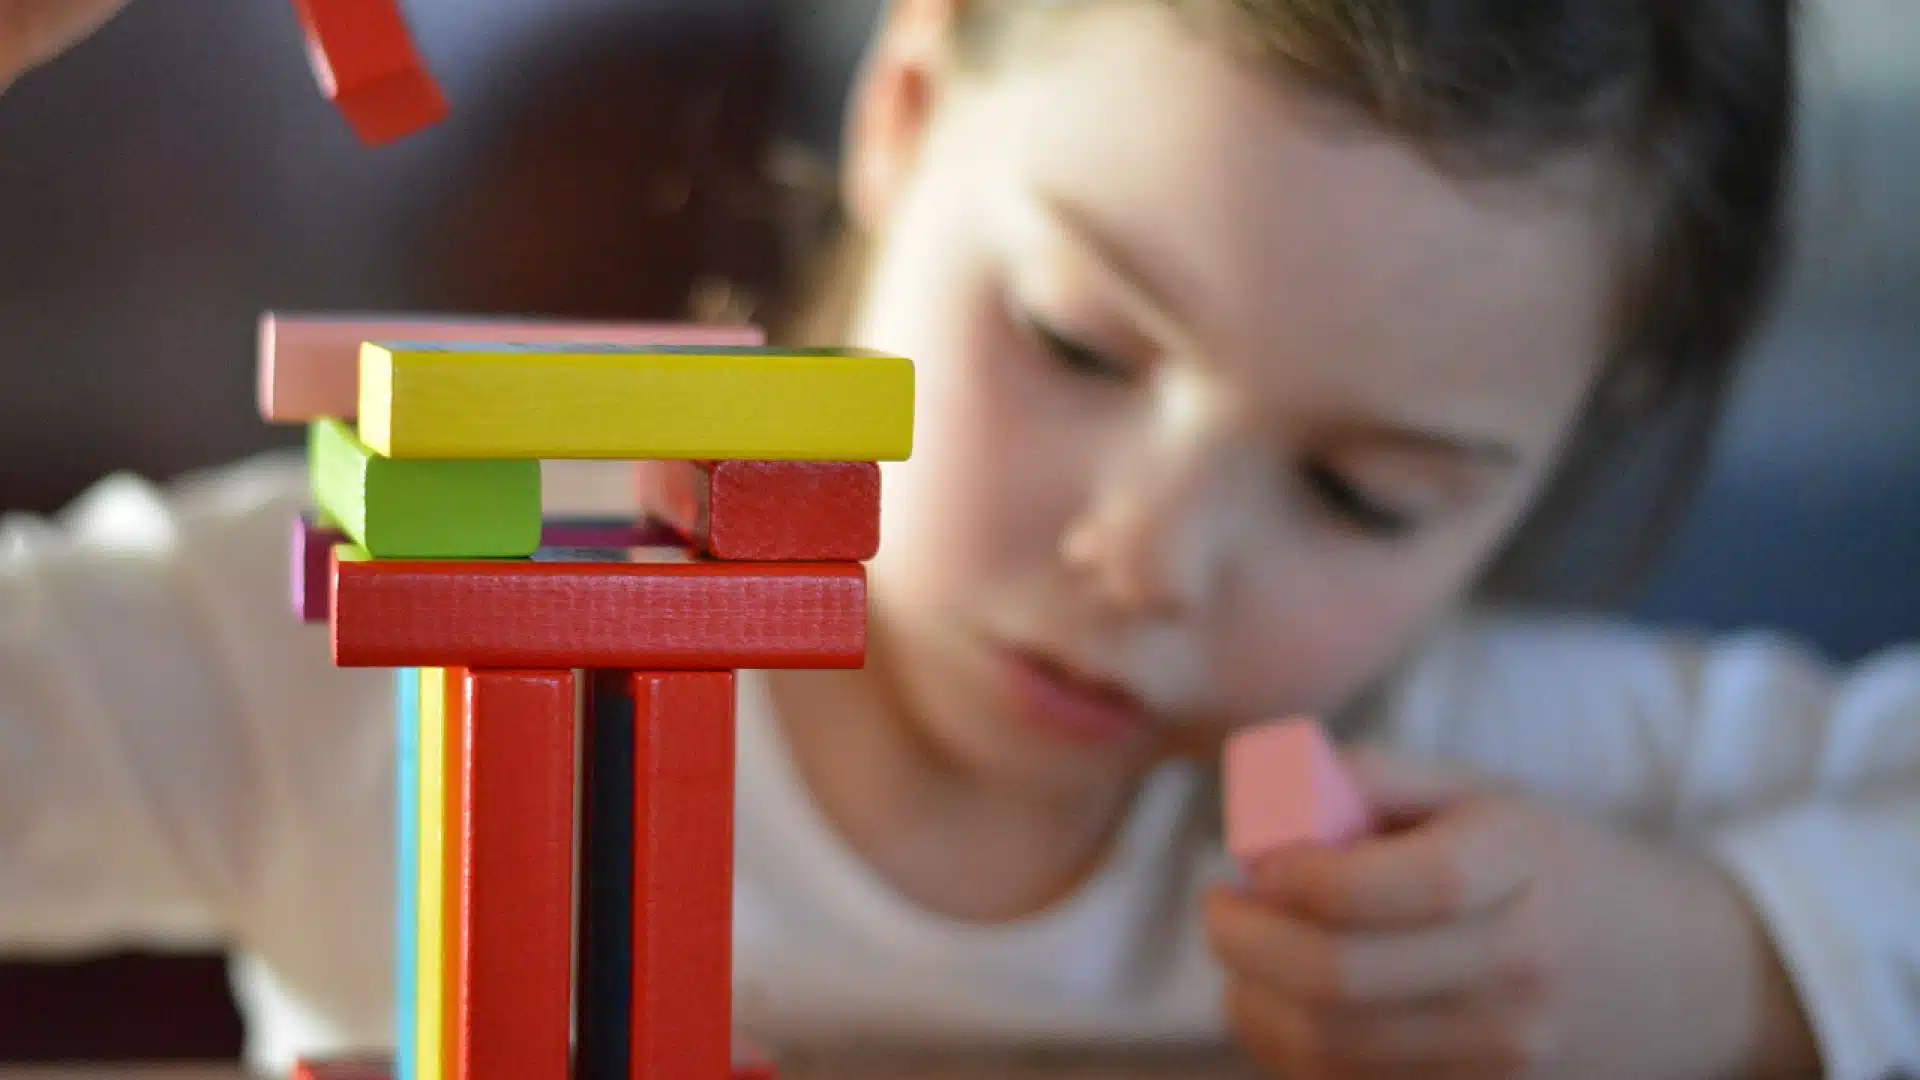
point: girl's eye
(1349, 502)
(1075, 356)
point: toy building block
(621, 615)
(311, 560)
(514, 884)
(424, 509)
(309, 365)
(747, 1065)
(768, 511)
(313, 545)
(676, 871)
(1284, 785)
(438, 734)
(367, 66)
(407, 869)
(423, 401)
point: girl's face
(1222, 393)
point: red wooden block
(313, 544)
(618, 615)
(812, 511)
(366, 63)
(512, 953)
(683, 772)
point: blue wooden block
(406, 954)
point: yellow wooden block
(433, 997)
(685, 403)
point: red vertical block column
(513, 965)
(683, 739)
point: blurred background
(614, 158)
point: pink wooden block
(1285, 786)
(309, 365)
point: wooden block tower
(565, 689)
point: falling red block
(1284, 785)
(768, 511)
(365, 61)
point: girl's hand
(33, 32)
(1483, 936)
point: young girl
(1255, 338)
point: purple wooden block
(312, 561)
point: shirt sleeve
(154, 688)
(1801, 779)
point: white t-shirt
(181, 764)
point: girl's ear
(892, 103)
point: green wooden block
(423, 509)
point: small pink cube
(1285, 786)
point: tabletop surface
(921, 1067)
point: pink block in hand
(1285, 786)
(310, 364)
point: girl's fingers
(1295, 958)
(1462, 861)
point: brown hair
(1693, 102)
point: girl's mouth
(1069, 704)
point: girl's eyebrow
(1469, 448)
(1087, 230)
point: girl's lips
(1068, 706)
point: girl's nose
(1153, 540)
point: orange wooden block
(512, 952)
(772, 511)
(366, 63)
(683, 765)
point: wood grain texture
(308, 365)
(634, 616)
(424, 509)
(502, 401)
(512, 1000)
(683, 780)
(768, 511)
(364, 59)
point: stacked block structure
(565, 688)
